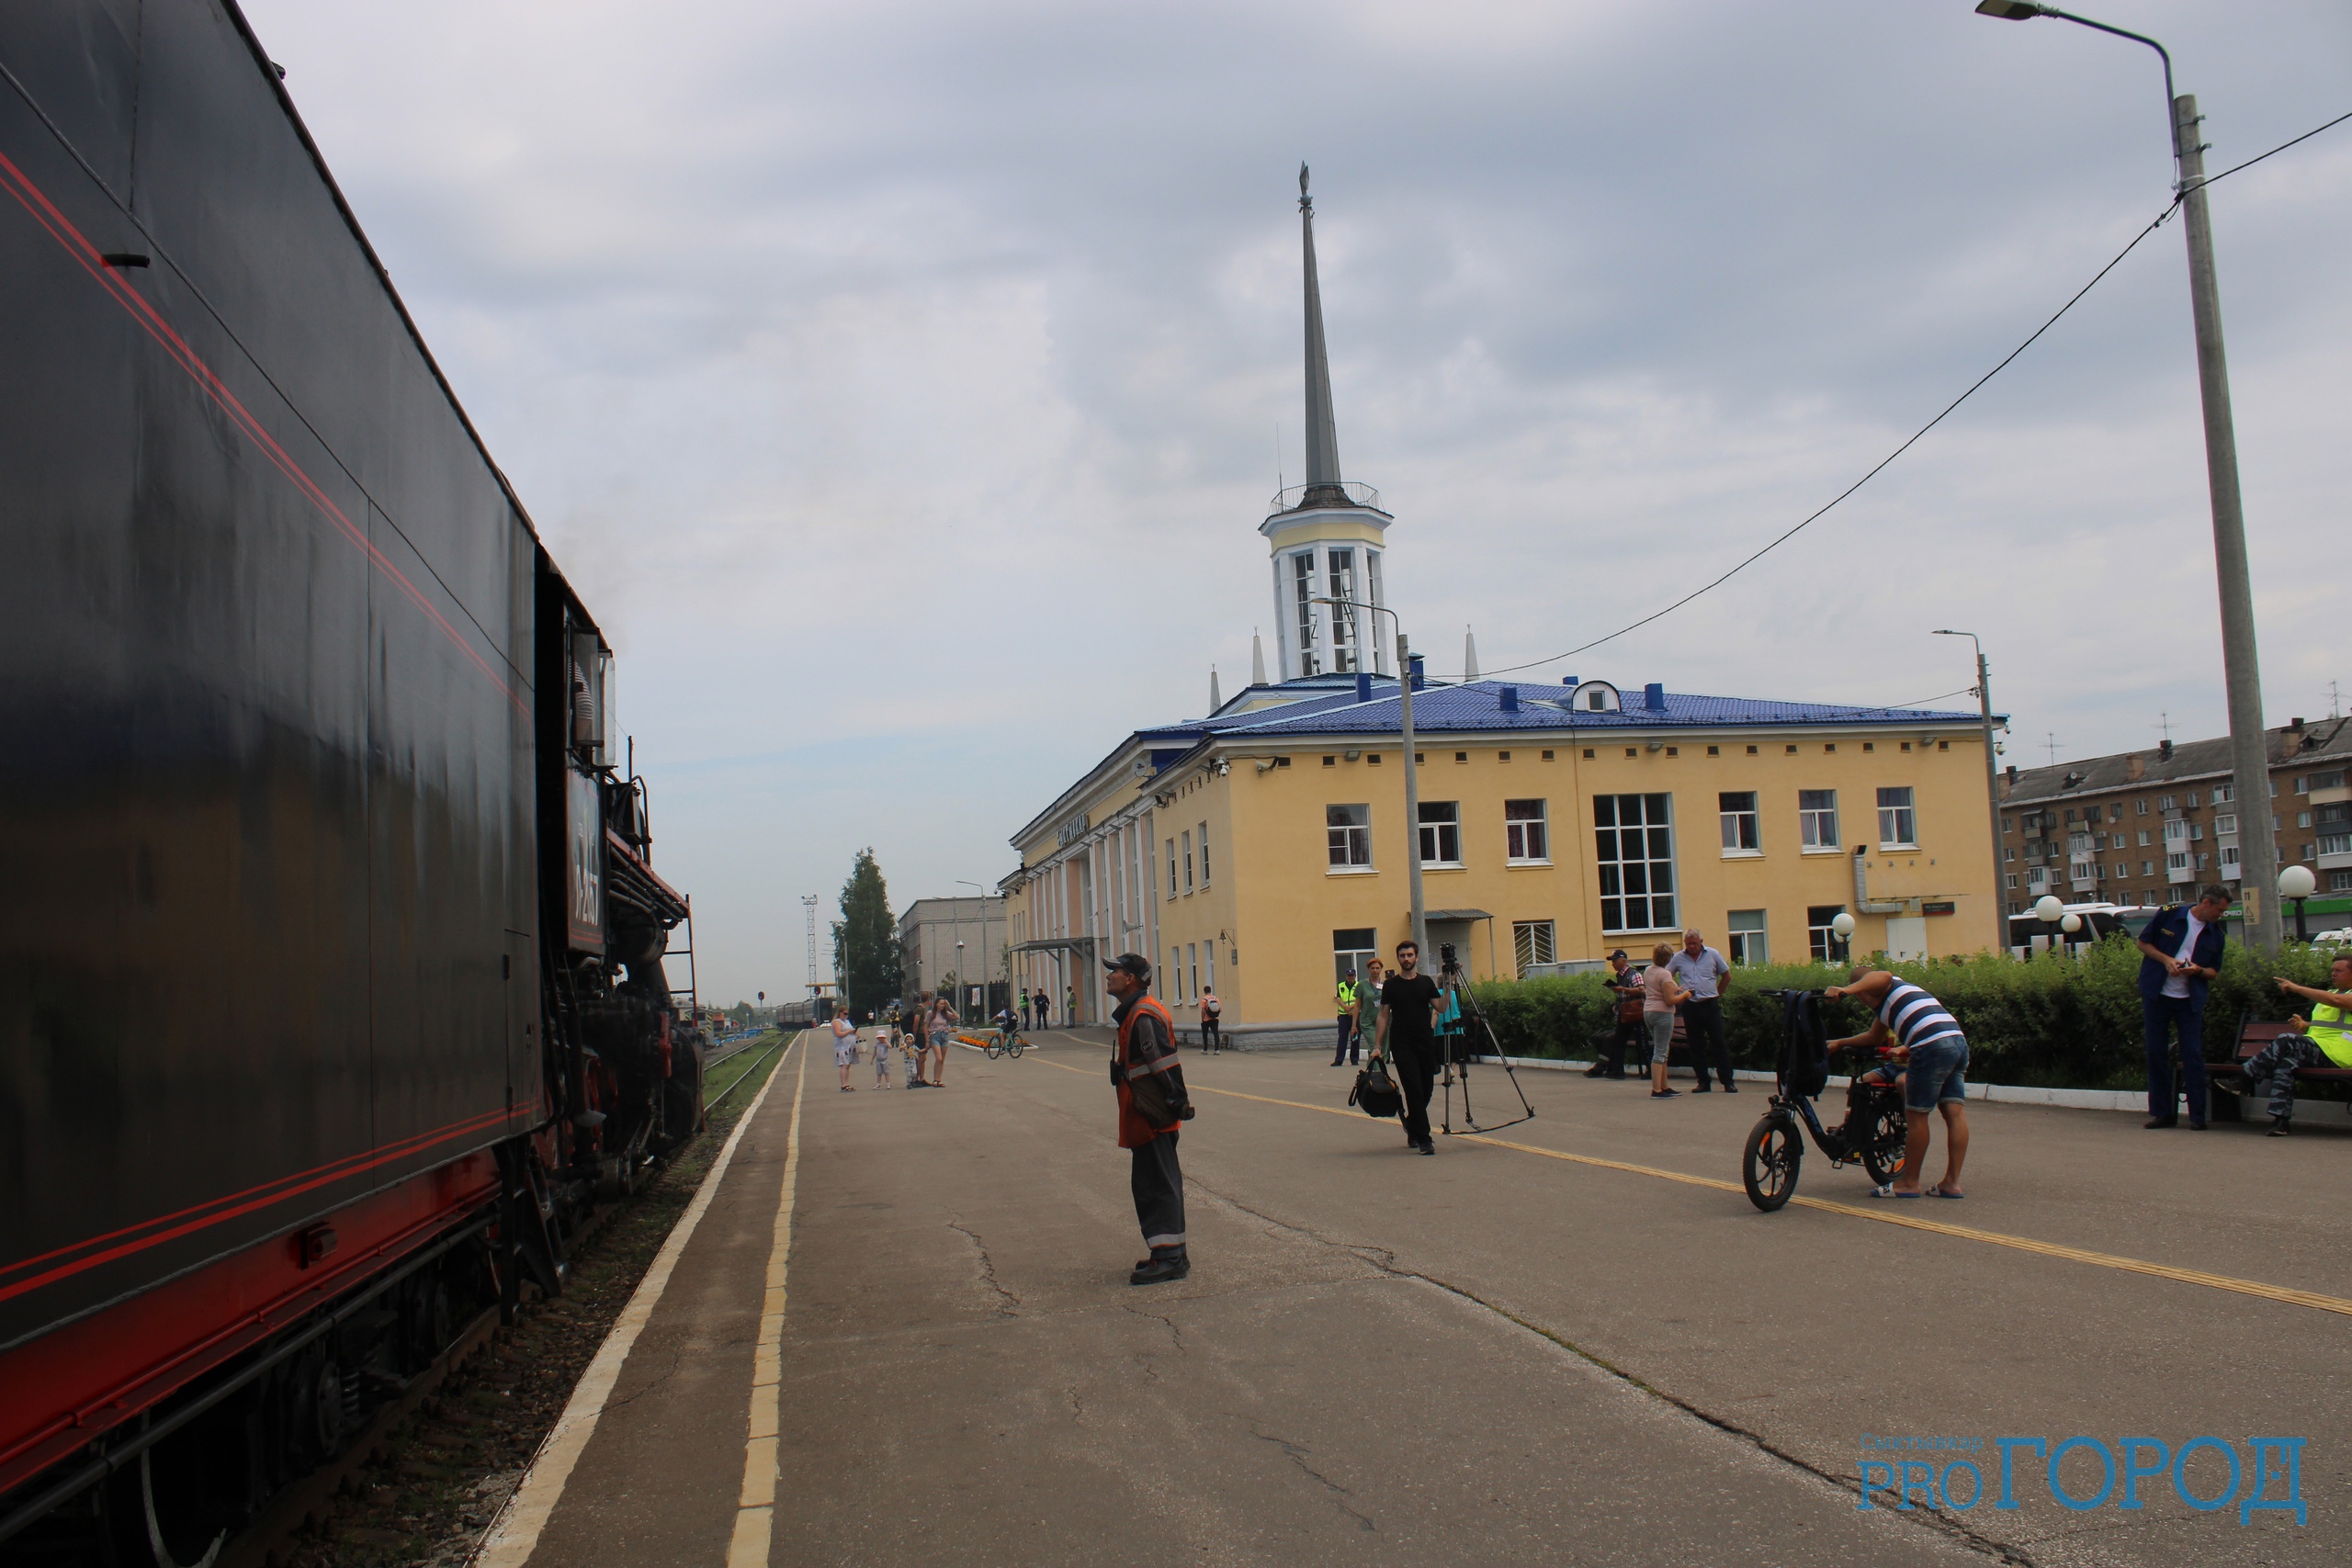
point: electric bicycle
(1775, 1153)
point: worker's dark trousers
(1158, 1184)
(2185, 1017)
(1703, 1026)
(1416, 1069)
(1348, 1044)
(1629, 1036)
(2275, 1064)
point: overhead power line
(1878, 468)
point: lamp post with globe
(2296, 883)
(2051, 911)
(1842, 926)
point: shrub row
(2050, 1020)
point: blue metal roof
(1476, 705)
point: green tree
(868, 940)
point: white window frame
(1743, 827)
(1186, 836)
(1661, 908)
(1901, 817)
(1526, 841)
(1817, 825)
(1535, 942)
(1204, 855)
(1750, 943)
(1357, 840)
(1172, 889)
(1432, 833)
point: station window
(1818, 935)
(1348, 829)
(1746, 928)
(1441, 827)
(1527, 832)
(1898, 824)
(1818, 819)
(1738, 811)
(1533, 942)
(1634, 851)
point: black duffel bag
(1376, 1093)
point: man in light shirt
(1702, 971)
(2180, 955)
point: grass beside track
(429, 1493)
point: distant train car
(331, 966)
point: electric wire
(1916, 435)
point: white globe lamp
(2297, 882)
(2048, 907)
(2071, 924)
(1843, 924)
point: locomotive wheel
(1769, 1164)
(1883, 1149)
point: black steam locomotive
(332, 985)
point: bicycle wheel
(993, 1050)
(1883, 1146)
(1017, 1047)
(1768, 1165)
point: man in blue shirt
(2181, 955)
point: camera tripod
(1457, 1057)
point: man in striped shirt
(1936, 1053)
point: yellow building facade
(1262, 851)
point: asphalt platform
(1568, 1341)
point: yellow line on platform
(1890, 1215)
(755, 1504)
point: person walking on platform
(1149, 1079)
(1409, 1004)
(1627, 984)
(2319, 1040)
(943, 1023)
(844, 1047)
(1069, 1006)
(1212, 1037)
(1346, 1051)
(1703, 972)
(2181, 954)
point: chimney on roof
(1510, 699)
(2011, 778)
(2294, 726)
(1364, 686)
(1417, 671)
(2164, 750)
(1654, 696)
(2135, 768)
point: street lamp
(987, 982)
(2049, 909)
(962, 979)
(2241, 670)
(1842, 926)
(1412, 768)
(1991, 782)
(2296, 882)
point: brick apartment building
(2145, 827)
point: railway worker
(1152, 1105)
(1345, 1051)
(2320, 1040)
(1935, 1054)
(844, 1047)
(2180, 952)
(1069, 1006)
(1028, 1008)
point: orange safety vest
(1134, 1131)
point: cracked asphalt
(1491, 1357)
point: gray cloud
(902, 382)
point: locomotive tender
(331, 950)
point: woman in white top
(844, 1046)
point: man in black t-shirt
(1410, 1003)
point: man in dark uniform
(1152, 1103)
(2181, 954)
(1410, 1003)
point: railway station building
(1260, 850)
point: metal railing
(1295, 496)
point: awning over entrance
(1434, 916)
(1057, 945)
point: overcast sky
(902, 384)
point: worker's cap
(1134, 964)
(1619, 953)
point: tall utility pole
(1992, 786)
(1412, 794)
(2249, 746)
(2240, 672)
(809, 908)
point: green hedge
(2051, 1020)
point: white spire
(1257, 659)
(1469, 655)
(1322, 430)
(1215, 702)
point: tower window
(1303, 580)
(1342, 573)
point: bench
(2253, 1034)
